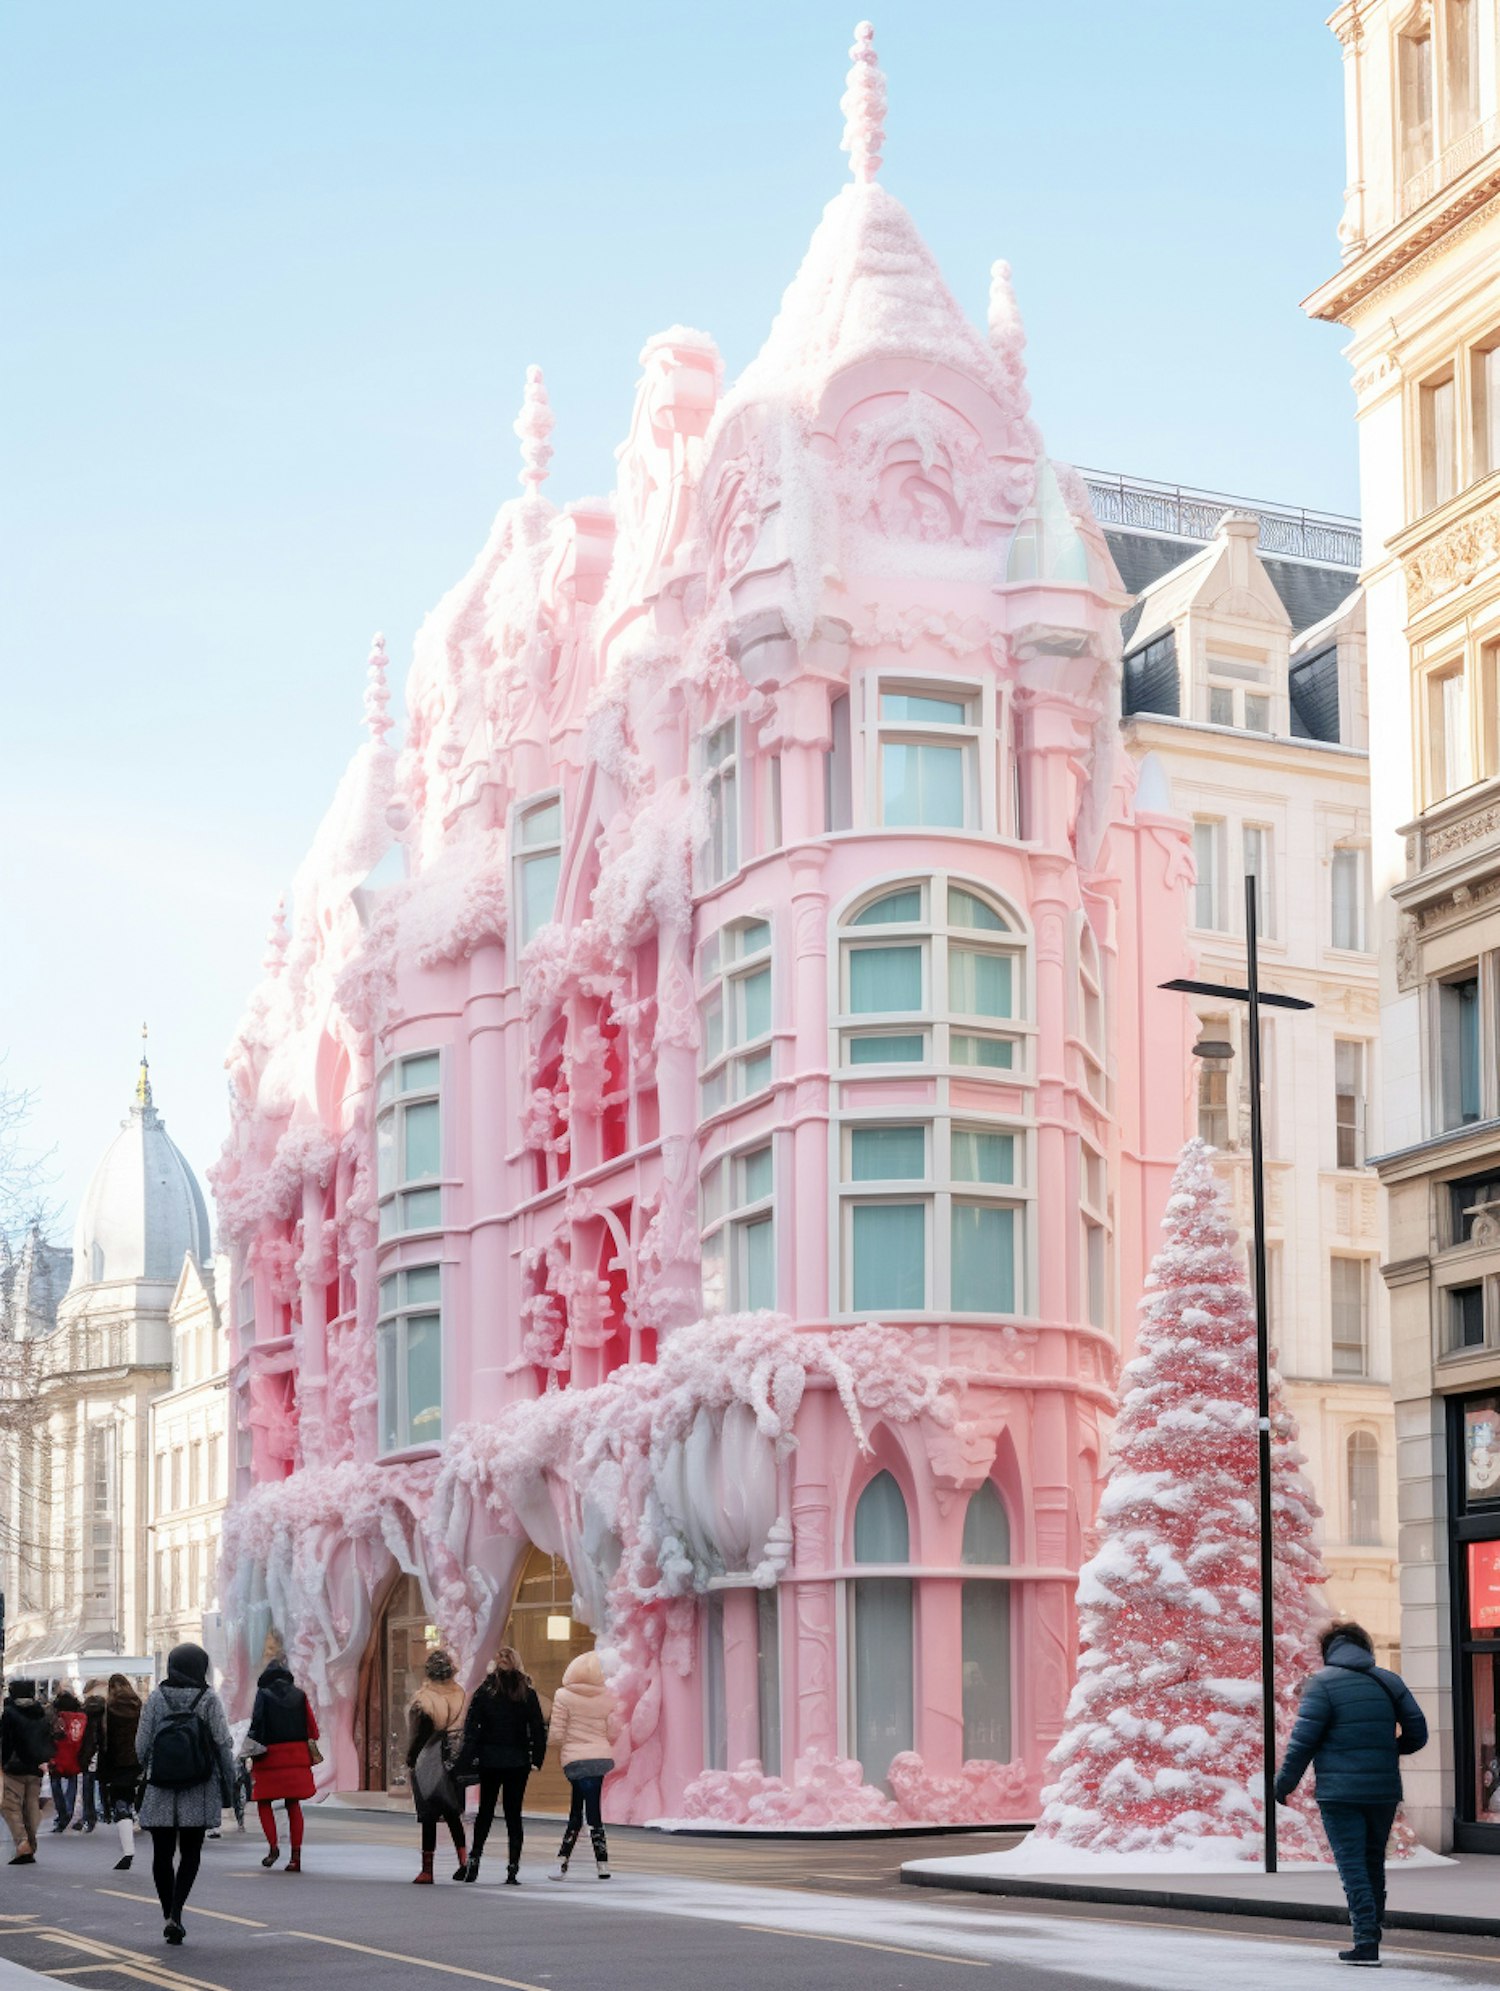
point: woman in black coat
(505, 1738)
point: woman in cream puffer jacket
(580, 1731)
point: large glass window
(408, 1145)
(409, 1358)
(986, 1630)
(882, 1628)
(538, 866)
(1362, 1464)
(928, 745)
(1450, 753)
(955, 1246)
(1439, 442)
(736, 1013)
(722, 852)
(739, 1236)
(1458, 1049)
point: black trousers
(1357, 1834)
(184, 1844)
(509, 1786)
(587, 1792)
(455, 1824)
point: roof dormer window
(1239, 694)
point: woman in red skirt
(286, 1728)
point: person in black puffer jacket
(26, 1747)
(1354, 1725)
(505, 1739)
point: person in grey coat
(179, 1815)
(1355, 1723)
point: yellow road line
(420, 1962)
(858, 1943)
(150, 1901)
(134, 1963)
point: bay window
(933, 1218)
(736, 1013)
(538, 867)
(739, 1237)
(928, 738)
(409, 1358)
(408, 1145)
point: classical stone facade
(189, 1465)
(1419, 290)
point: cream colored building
(1419, 290)
(189, 1463)
(75, 1485)
(1245, 707)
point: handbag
(314, 1753)
(432, 1777)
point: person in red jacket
(285, 1726)
(69, 1727)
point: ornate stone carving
(1468, 829)
(1408, 953)
(1454, 557)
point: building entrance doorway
(404, 1635)
(544, 1632)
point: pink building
(698, 1142)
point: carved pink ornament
(863, 105)
(534, 425)
(274, 959)
(377, 692)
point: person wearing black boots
(434, 1729)
(505, 1739)
(583, 1718)
(186, 1756)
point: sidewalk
(1460, 1899)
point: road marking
(858, 1943)
(129, 1962)
(150, 1901)
(420, 1962)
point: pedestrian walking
(434, 1733)
(582, 1714)
(69, 1727)
(284, 1728)
(90, 1796)
(26, 1747)
(119, 1767)
(1355, 1723)
(188, 1776)
(505, 1738)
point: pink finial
(863, 105)
(377, 692)
(1007, 335)
(533, 425)
(276, 941)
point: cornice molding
(1411, 245)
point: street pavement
(681, 1914)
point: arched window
(1364, 1489)
(882, 1631)
(986, 1630)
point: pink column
(488, 1132)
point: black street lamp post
(1256, 999)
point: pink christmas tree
(1161, 1751)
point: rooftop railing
(1330, 538)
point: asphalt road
(680, 1915)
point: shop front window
(1474, 1521)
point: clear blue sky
(276, 271)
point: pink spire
(377, 693)
(863, 105)
(276, 941)
(533, 425)
(1007, 334)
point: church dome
(143, 1208)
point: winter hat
(23, 1690)
(187, 1666)
(439, 1666)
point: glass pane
(984, 1259)
(922, 787)
(387, 1088)
(900, 1050)
(755, 1073)
(424, 1378)
(964, 909)
(385, 1152)
(754, 937)
(1481, 1446)
(983, 1157)
(1364, 1490)
(755, 1176)
(389, 1399)
(423, 1284)
(719, 744)
(884, 979)
(978, 983)
(1346, 898)
(715, 1091)
(423, 1148)
(541, 825)
(888, 1154)
(998, 1053)
(1257, 713)
(388, 1294)
(1484, 1689)
(896, 907)
(1206, 863)
(768, 1678)
(925, 710)
(422, 1209)
(390, 1218)
(986, 1643)
(539, 876)
(882, 1673)
(889, 1243)
(711, 1194)
(759, 1263)
(986, 1529)
(881, 1530)
(420, 1074)
(715, 1704)
(1220, 705)
(755, 1005)
(713, 1030)
(711, 1274)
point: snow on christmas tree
(1161, 1749)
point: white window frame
(1365, 1443)
(1354, 860)
(730, 1207)
(968, 736)
(396, 1312)
(1265, 875)
(1345, 1369)
(719, 858)
(1208, 859)
(401, 1212)
(527, 855)
(1243, 680)
(744, 1063)
(1351, 1121)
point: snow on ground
(1044, 1858)
(1134, 1956)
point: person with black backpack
(187, 1768)
(26, 1747)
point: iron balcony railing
(1461, 155)
(1331, 538)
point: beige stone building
(189, 1463)
(1419, 290)
(1245, 709)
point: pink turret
(863, 106)
(534, 425)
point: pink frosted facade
(707, 1110)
